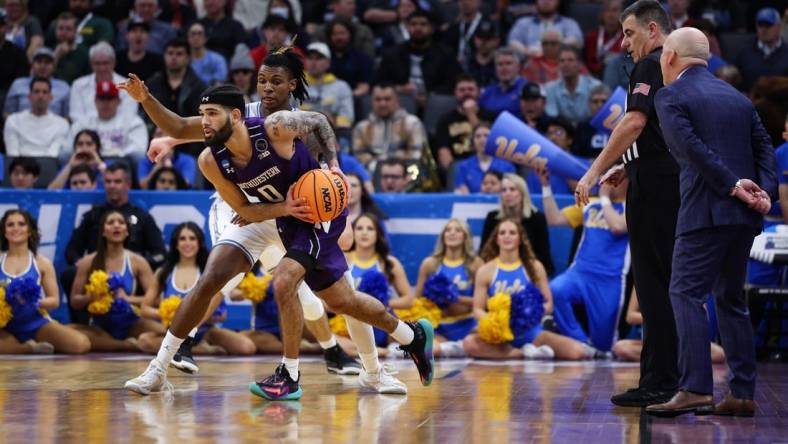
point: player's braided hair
(288, 59)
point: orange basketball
(324, 191)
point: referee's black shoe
(642, 397)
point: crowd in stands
(412, 89)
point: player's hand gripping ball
(324, 191)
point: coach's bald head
(683, 48)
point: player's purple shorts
(315, 249)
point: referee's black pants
(652, 208)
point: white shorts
(259, 240)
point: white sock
(292, 367)
(193, 333)
(169, 346)
(403, 333)
(362, 335)
(370, 361)
(328, 344)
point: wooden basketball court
(64, 399)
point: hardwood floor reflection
(81, 400)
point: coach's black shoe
(183, 359)
(642, 397)
(339, 363)
(420, 350)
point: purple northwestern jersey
(266, 179)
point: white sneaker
(41, 348)
(154, 379)
(382, 382)
(452, 349)
(395, 352)
(542, 352)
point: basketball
(324, 191)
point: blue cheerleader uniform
(358, 269)
(457, 328)
(170, 289)
(118, 323)
(509, 279)
(24, 325)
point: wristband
(605, 201)
(547, 192)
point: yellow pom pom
(339, 326)
(499, 302)
(422, 308)
(494, 328)
(100, 305)
(5, 310)
(167, 309)
(255, 288)
(98, 284)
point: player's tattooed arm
(311, 127)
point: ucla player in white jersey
(597, 276)
(276, 84)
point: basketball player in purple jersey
(281, 77)
(279, 80)
(272, 162)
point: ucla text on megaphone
(513, 140)
(611, 112)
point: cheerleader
(33, 332)
(454, 258)
(511, 265)
(185, 262)
(117, 330)
(369, 251)
(265, 333)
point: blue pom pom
(119, 306)
(440, 290)
(25, 293)
(375, 284)
(527, 310)
(115, 281)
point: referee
(652, 201)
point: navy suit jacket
(717, 138)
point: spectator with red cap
(121, 136)
(83, 90)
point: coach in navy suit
(726, 181)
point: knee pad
(310, 304)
